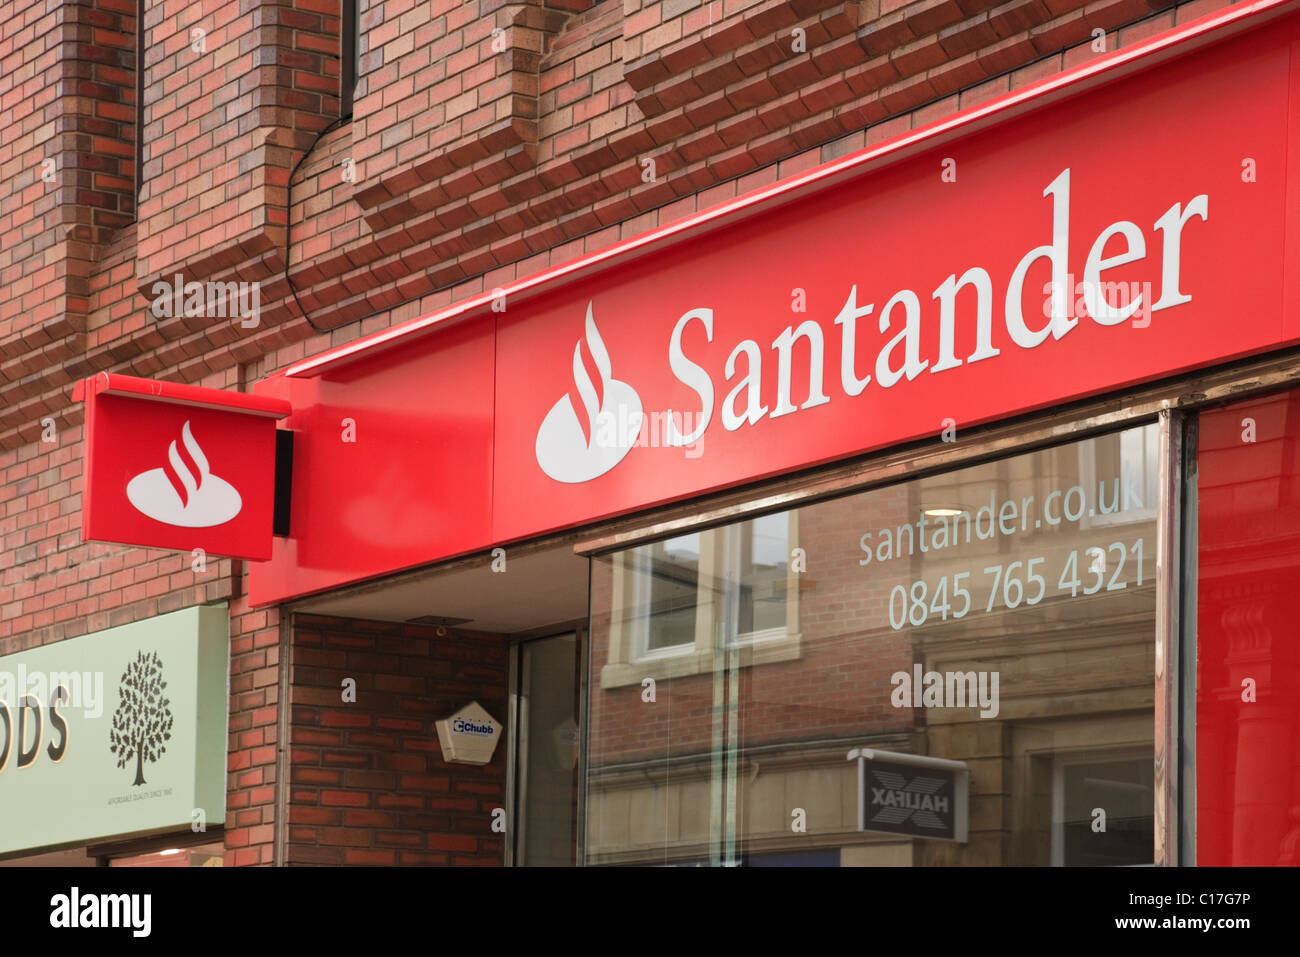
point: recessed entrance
(506, 631)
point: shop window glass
(75, 857)
(546, 770)
(979, 635)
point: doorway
(545, 749)
(505, 632)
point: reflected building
(734, 669)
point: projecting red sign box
(177, 466)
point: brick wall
(252, 764)
(474, 166)
(367, 782)
(67, 111)
(233, 94)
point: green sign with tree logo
(116, 733)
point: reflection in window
(668, 575)
(1247, 664)
(760, 575)
(1124, 471)
(743, 574)
(1104, 812)
(978, 624)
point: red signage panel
(1112, 238)
(392, 463)
(180, 467)
(1106, 234)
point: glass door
(546, 750)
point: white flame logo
(184, 493)
(575, 450)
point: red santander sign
(177, 466)
(1083, 236)
(1026, 266)
(823, 355)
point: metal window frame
(1186, 809)
(1170, 518)
(512, 753)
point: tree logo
(143, 721)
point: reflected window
(1121, 477)
(1104, 812)
(980, 633)
(676, 602)
(759, 560)
(667, 583)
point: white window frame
(731, 539)
(630, 662)
(640, 632)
